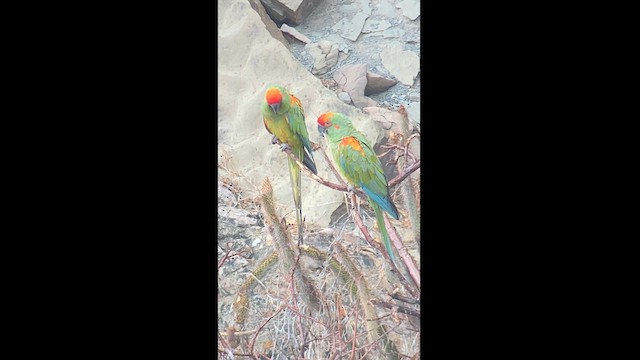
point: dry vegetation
(336, 296)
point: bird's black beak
(275, 107)
(322, 130)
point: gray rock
(270, 25)
(404, 65)
(410, 8)
(351, 28)
(291, 11)
(344, 97)
(385, 8)
(294, 33)
(414, 96)
(353, 80)
(225, 196)
(377, 84)
(365, 6)
(413, 110)
(324, 54)
(375, 25)
(393, 33)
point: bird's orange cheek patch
(353, 143)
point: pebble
(345, 97)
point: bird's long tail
(383, 230)
(296, 183)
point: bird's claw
(284, 147)
(274, 140)
(350, 188)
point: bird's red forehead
(273, 96)
(325, 119)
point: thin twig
(402, 309)
(383, 251)
(404, 254)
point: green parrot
(358, 163)
(283, 117)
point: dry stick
(253, 341)
(355, 335)
(295, 304)
(402, 251)
(383, 251)
(402, 309)
(408, 171)
(359, 192)
(333, 169)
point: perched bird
(283, 117)
(358, 163)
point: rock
(413, 110)
(271, 26)
(393, 33)
(324, 54)
(387, 119)
(225, 196)
(249, 60)
(344, 97)
(353, 80)
(239, 217)
(377, 84)
(410, 8)
(294, 33)
(404, 65)
(386, 9)
(351, 28)
(414, 96)
(365, 6)
(291, 11)
(375, 25)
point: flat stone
(366, 8)
(268, 22)
(290, 11)
(350, 28)
(377, 84)
(403, 64)
(353, 80)
(410, 8)
(324, 54)
(393, 33)
(294, 33)
(375, 25)
(386, 9)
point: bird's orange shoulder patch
(295, 100)
(273, 96)
(353, 143)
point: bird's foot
(274, 140)
(285, 147)
(350, 188)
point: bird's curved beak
(275, 107)
(322, 130)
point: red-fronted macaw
(358, 163)
(283, 117)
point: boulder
(270, 25)
(377, 84)
(353, 79)
(290, 11)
